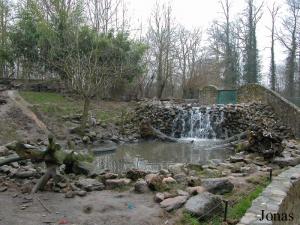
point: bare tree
(108, 15)
(160, 40)
(273, 12)
(288, 38)
(188, 49)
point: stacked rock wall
(279, 203)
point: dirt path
(97, 208)
(17, 121)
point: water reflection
(154, 156)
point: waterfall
(195, 122)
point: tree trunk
(85, 113)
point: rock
(173, 203)
(135, 174)
(141, 186)
(117, 183)
(4, 151)
(154, 181)
(287, 161)
(3, 189)
(86, 139)
(235, 159)
(25, 174)
(159, 197)
(180, 177)
(108, 176)
(81, 193)
(182, 193)
(89, 184)
(7, 169)
(163, 172)
(169, 180)
(70, 194)
(61, 185)
(92, 135)
(177, 168)
(193, 181)
(195, 190)
(204, 205)
(217, 185)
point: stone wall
(281, 198)
(208, 95)
(285, 110)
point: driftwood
(234, 138)
(230, 142)
(53, 157)
(149, 132)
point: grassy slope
(54, 104)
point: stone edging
(282, 196)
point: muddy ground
(97, 208)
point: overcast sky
(200, 13)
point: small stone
(135, 174)
(110, 176)
(117, 183)
(141, 186)
(169, 180)
(3, 189)
(180, 177)
(159, 197)
(195, 190)
(61, 185)
(70, 194)
(182, 193)
(89, 184)
(176, 168)
(154, 181)
(193, 181)
(25, 174)
(163, 172)
(81, 193)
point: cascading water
(196, 122)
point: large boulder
(170, 204)
(204, 205)
(89, 184)
(217, 185)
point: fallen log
(234, 138)
(53, 157)
(149, 132)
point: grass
(235, 212)
(56, 105)
(53, 104)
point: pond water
(153, 156)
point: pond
(153, 156)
